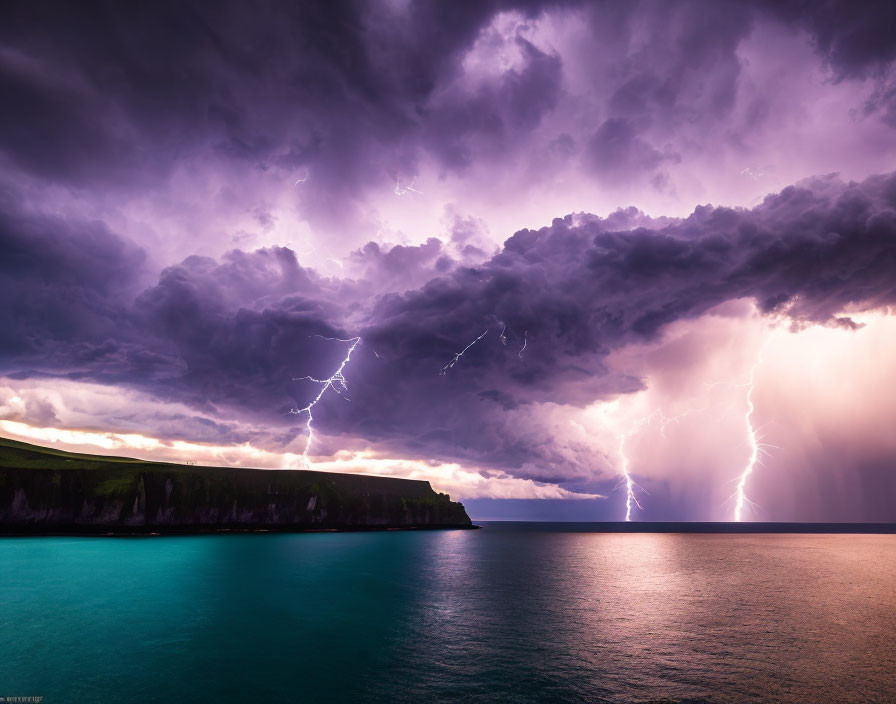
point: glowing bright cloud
(450, 478)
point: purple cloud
(234, 334)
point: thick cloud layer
(233, 335)
(196, 126)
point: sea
(508, 613)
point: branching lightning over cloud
(666, 420)
(754, 174)
(325, 384)
(399, 191)
(753, 439)
(458, 355)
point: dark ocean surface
(509, 613)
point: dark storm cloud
(661, 71)
(617, 151)
(235, 333)
(60, 280)
(101, 95)
(466, 123)
(853, 37)
(857, 40)
(581, 291)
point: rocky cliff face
(43, 491)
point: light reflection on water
(643, 617)
(507, 613)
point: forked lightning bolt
(399, 191)
(666, 420)
(458, 355)
(630, 497)
(753, 440)
(325, 385)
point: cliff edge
(43, 490)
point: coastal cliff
(50, 491)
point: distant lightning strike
(525, 342)
(630, 497)
(458, 355)
(753, 439)
(329, 383)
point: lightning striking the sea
(630, 497)
(458, 355)
(753, 440)
(326, 384)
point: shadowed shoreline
(44, 491)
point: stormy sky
(663, 235)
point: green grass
(57, 482)
(14, 453)
(115, 487)
(112, 473)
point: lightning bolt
(458, 355)
(666, 420)
(503, 337)
(525, 342)
(753, 439)
(753, 174)
(399, 191)
(630, 497)
(302, 180)
(325, 385)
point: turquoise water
(507, 613)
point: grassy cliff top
(22, 455)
